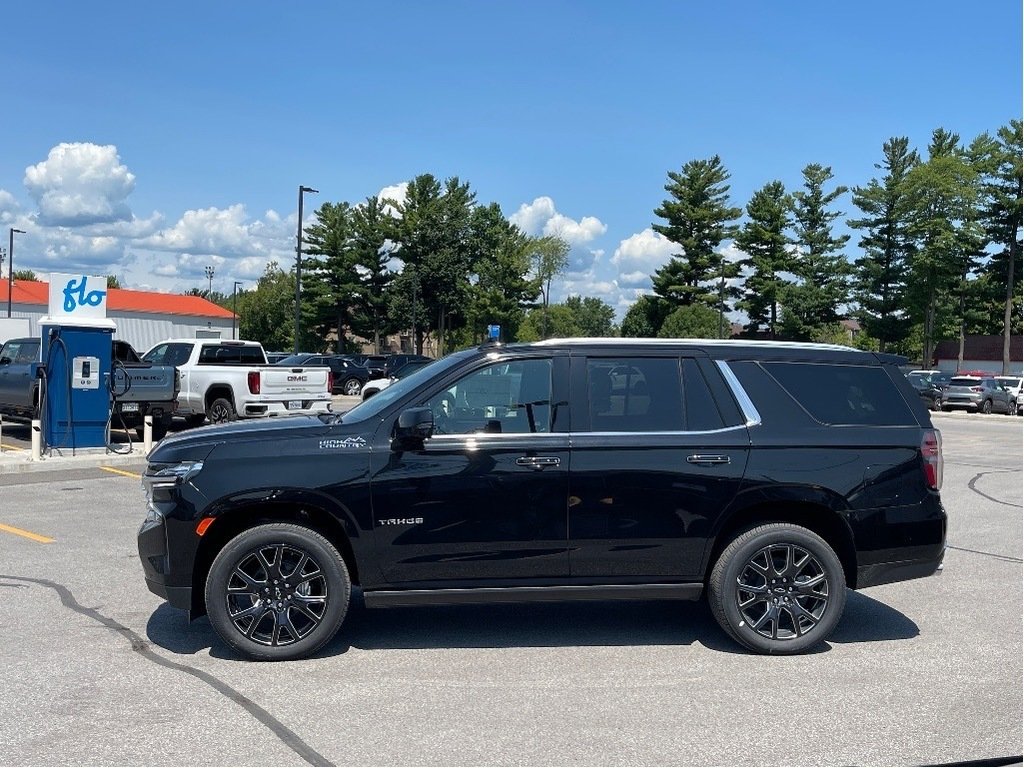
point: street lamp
(209, 276)
(298, 267)
(10, 267)
(234, 306)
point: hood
(197, 443)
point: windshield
(292, 360)
(372, 407)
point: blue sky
(192, 124)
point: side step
(407, 597)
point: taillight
(977, 389)
(931, 452)
(330, 382)
(254, 382)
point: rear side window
(635, 395)
(843, 394)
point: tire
(986, 407)
(937, 404)
(220, 411)
(252, 622)
(195, 419)
(351, 387)
(810, 569)
(1011, 408)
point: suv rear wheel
(778, 588)
(277, 591)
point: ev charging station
(76, 346)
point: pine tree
(763, 238)
(821, 268)
(698, 217)
(372, 250)
(332, 287)
(943, 192)
(881, 273)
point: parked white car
(222, 380)
(373, 386)
(1016, 386)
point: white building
(143, 318)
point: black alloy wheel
(220, 410)
(1011, 408)
(778, 588)
(986, 407)
(278, 591)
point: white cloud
(638, 279)
(644, 251)
(80, 183)
(395, 192)
(541, 218)
(215, 231)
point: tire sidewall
(724, 591)
(227, 405)
(339, 589)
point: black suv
(769, 476)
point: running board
(408, 597)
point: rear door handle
(708, 459)
(538, 462)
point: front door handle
(538, 462)
(708, 459)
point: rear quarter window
(843, 394)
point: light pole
(234, 307)
(209, 276)
(10, 267)
(298, 267)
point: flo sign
(74, 297)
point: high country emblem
(348, 442)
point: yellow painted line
(27, 534)
(10, 448)
(124, 472)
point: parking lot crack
(980, 475)
(138, 645)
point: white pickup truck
(223, 380)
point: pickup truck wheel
(778, 588)
(220, 410)
(277, 591)
(351, 387)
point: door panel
(466, 507)
(485, 497)
(655, 459)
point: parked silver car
(979, 394)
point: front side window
(29, 353)
(511, 397)
(635, 395)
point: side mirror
(414, 426)
(5, 361)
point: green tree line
(939, 240)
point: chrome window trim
(641, 343)
(750, 413)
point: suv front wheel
(778, 588)
(277, 591)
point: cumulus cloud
(395, 192)
(541, 218)
(644, 251)
(214, 231)
(80, 183)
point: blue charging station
(77, 356)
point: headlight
(170, 475)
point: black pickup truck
(139, 388)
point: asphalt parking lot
(99, 671)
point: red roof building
(143, 318)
